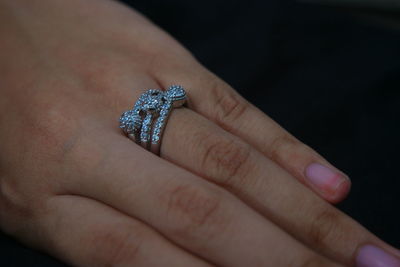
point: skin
(225, 191)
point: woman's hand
(224, 191)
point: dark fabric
(330, 76)
(389, 4)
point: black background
(331, 76)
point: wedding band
(145, 123)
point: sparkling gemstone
(176, 92)
(164, 110)
(144, 136)
(152, 100)
(129, 121)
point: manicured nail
(371, 256)
(324, 178)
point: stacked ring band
(145, 123)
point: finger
(202, 147)
(195, 214)
(217, 101)
(84, 232)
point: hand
(224, 191)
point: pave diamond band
(145, 123)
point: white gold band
(145, 123)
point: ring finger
(200, 146)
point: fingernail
(372, 256)
(324, 178)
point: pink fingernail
(371, 256)
(324, 178)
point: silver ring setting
(145, 123)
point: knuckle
(18, 207)
(118, 245)
(99, 77)
(14, 194)
(50, 118)
(322, 228)
(10, 194)
(197, 210)
(9, 205)
(282, 147)
(54, 127)
(229, 105)
(227, 159)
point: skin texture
(225, 191)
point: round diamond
(152, 100)
(129, 121)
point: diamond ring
(145, 123)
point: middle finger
(202, 147)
